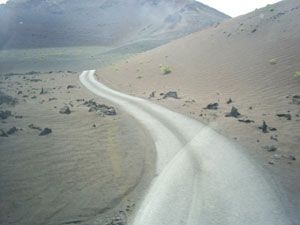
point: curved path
(203, 178)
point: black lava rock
(171, 94)
(5, 114)
(65, 110)
(71, 86)
(46, 131)
(3, 134)
(212, 106)
(264, 127)
(35, 127)
(12, 130)
(229, 101)
(234, 113)
(287, 116)
(246, 121)
(270, 148)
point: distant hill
(56, 23)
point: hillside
(252, 60)
(62, 23)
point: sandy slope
(77, 173)
(231, 60)
(203, 177)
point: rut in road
(203, 178)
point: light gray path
(203, 179)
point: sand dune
(251, 59)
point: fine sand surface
(251, 59)
(79, 173)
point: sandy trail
(203, 178)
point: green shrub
(272, 61)
(139, 76)
(297, 74)
(271, 10)
(166, 69)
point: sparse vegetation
(273, 61)
(297, 74)
(242, 28)
(138, 70)
(139, 76)
(271, 9)
(166, 69)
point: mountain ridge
(45, 23)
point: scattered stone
(52, 99)
(35, 80)
(32, 73)
(264, 127)
(272, 129)
(229, 101)
(20, 92)
(7, 99)
(46, 131)
(293, 158)
(3, 134)
(101, 109)
(253, 31)
(277, 156)
(5, 114)
(161, 94)
(246, 121)
(250, 107)
(271, 163)
(171, 94)
(94, 125)
(12, 130)
(273, 138)
(35, 127)
(19, 117)
(25, 96)
(296, 99)
(212, 106)
(152, 95)
(80, 100)
(270, 148)
(65, 110)
(287, 116)
(42, 91)
(234, 113)
(71, 86)
(33, 97)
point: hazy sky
(230, 7)
(237, 7)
